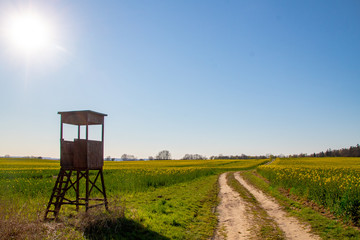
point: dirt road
(236, 220)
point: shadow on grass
(119, 228)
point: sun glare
(28, 32)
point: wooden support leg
(87, 191)
(77, 189)
(64, 184)
(104, 191)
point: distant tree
(151, 158)
(328, 153)
(163, 155)
(194, 157)
(242, 156)
(127, 157)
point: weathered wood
(82, 117)
(58, 193)
(88, 154)
(80, 155)
(96, 205)
(95, 157)
(77, 190)
(104, 191)
(64, 184)
(87, 191)
(67, 154)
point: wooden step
(57, 196)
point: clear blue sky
(206, 77)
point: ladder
(58, 194)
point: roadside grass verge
(325, 227)
(182, 211)
(264, 226)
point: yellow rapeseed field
(332, 182)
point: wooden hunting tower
(79, 156)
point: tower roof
(82, 117)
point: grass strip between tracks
(264, 226)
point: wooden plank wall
(95, 154)
(67, 154)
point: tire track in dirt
(234, 220)
(292, 228)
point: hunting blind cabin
(77, 159)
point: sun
(28, 32)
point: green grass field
(148, 199)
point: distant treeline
(242, 156)
(344, 152)
(353, 151)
